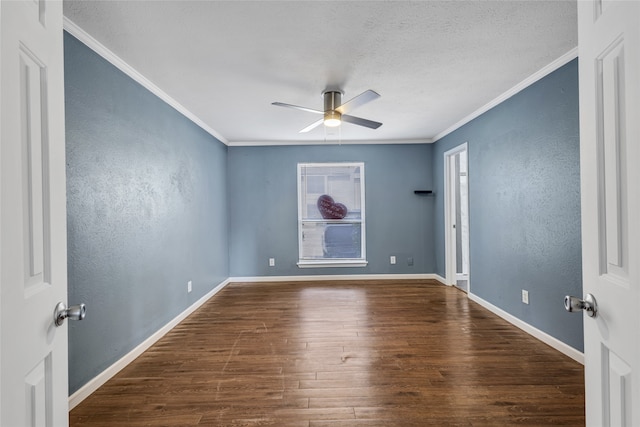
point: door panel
(36, 223)
(612, 156)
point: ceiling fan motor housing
(332, 100)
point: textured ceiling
(432, 62)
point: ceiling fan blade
(312, 126)
(310, 110)
(363, 98)
(361, 122)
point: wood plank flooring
(361, 353)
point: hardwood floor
(374, 353)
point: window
(331, 220)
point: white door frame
(450, 212)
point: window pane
(321, 240)
(341, 183)
(315, 184)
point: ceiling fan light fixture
(335, 112)
(332, 119)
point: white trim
(331, 142)
(317, 277)
(112, 370)
(531, 330)
(563, 60)
(120, 64)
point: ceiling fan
(335, 112)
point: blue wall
(146, 200)
(263, 207)
(524, 201)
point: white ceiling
(433, 62)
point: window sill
(332, 263)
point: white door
(456, 205)
(609, 51)
(33, 261)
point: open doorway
(457, 217)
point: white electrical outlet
(272, 262)
(525, 296)
(392, 259)
(189, 286)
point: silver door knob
(587, 304)
(61, 312)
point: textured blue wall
(146, 199)
(524, 199)
(263, 208)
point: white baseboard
(536, 333)
(112, 370)
(314, 277)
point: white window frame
(332, 262)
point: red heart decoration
(329, 209)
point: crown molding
(330, 142)
(77, 32)
(539, 75)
